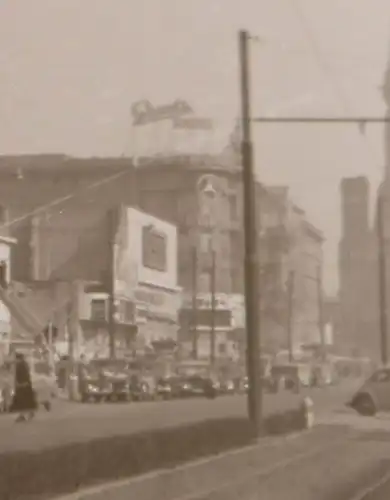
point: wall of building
(358, 269)
(305, 261)
(5, 257)
(167, 189)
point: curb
(210, 471)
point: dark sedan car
(198, 386)
(104, 380)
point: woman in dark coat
(24, 400)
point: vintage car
(197, 386)
(104, 380)
(374, 395)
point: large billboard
(145, 252)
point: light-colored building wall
(6, 245)
(305, 261)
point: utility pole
(194, 318)
(321, 326)
(213, 306)
(290, 314)
(50, 342)
(382, 281)
(73, 327)
(112, 227)
(252, 296)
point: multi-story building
(6, 246)
(58, 210)
(145, 286)
(358, 271)
(299, 257)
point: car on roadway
(104, 379)
(168, 388)
(142, 387)
(374, 395)
(197, 386)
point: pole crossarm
(322, 119)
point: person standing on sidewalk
(24, 400)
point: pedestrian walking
(24, 401)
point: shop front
(156, 311)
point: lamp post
(208, 207)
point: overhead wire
(63, 199)
(327, 70)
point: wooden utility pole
(290, 315)
(112, 230)
(252, 295)
(213, 307)
(382, 264)
(321, 325)
(194, 312)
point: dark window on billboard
(154, 249)
(98, 309)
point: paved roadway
(346, 457)
(70, 422)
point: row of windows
(206, 317)
(124, 310)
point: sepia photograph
(194, 250)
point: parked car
(227, 386)
(197, 385)
(291, 375)
(142, 387)
(374, 395)
(104, 380)
(169, 387)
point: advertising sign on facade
(145, 251)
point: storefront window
(98, 309)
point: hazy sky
(71, 69)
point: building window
(154, 249)
(98, 309)
(128, 311)
(206, 242)
(3, 274)
(235, 207)
(222, 349)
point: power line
(327, 70)
(58, 201)
(360, 120)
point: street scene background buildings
(170, 213)
(302, 92)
